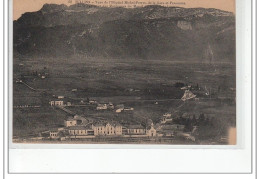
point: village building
(54, 134)
(57, 103)
(92, 102)
(110, 106)
(166, 118)
(80, 130)
(60, 101)
(101, 106)
(119, 108)
(108, 128)
(70, 121)
(128, 109)
(136, 130)
(151, 131)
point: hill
(151, 32)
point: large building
(80, 130)
(136, 130)
(107, 128)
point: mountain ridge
(144, 32)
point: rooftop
(170, 127)
(104, 123)
(135, 126)
(70, 118)
(77, 128)
(54, 130)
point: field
(149, 86)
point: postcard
(124, 72)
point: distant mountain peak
(53, 7)
(148, 32)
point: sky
(22, 6)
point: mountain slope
(151, 32)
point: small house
(110, 105)
(166, 118)
(101, 106)
(118, 110)
(92, 102)
(54, 134)
(120, 106)
(128, 109)
(57, 103)
(70, 122)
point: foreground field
(148, 86)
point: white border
(155, 160)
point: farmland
(149, 86)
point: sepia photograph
(124, 72)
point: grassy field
(135, 83)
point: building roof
(135, 127)
(77, 117)
(150, 127)
(70, 118)
(169, 127)
(120, 106)
(77, 128)
(104, 123)
(101, 105)
(54, 130)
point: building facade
(108, 128)
(54, 134)
(136, 130)
(151, 131)
(70, 122)
(101, 106)
(57, 103)
(79, 131)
